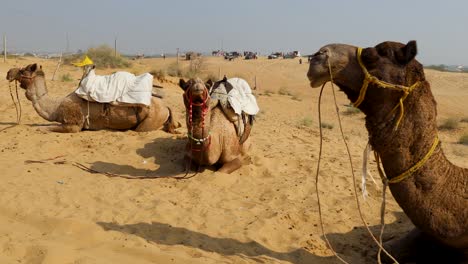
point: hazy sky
(440, 27)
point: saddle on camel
(219, 120)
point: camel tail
(248, 127)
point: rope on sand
(90, 170)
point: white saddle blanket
(120, 87)
(239, 96)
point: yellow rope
(368, 78)
(418, 165)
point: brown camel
(435, 195)
(72, 111)
(212, 138)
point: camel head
(391, 62)
(13, 74)
(196, 92)
(24, 75)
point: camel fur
(71, 111)
(222, 146)
(435, 197)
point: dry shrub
(66, 77)
(305, 122)
(102, 56)
(463, 139)
(351, 110)
(174, 70)
(284, 91)
(326, 125)
(159, 74)
(449, 124)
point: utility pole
(115, 46)
(4, 48)
(67, 49)
(177, 55)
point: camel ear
(369, 55)
(209, 83)
(407, 53)
(183, 84)
(33, 67)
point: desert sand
(266, 212)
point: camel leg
(420, 248)
(147, 124)
(402, 248)
(66, 129)
(231, 166)
(195, 167)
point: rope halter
(368, 78)
(204, 110)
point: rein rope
(379, 243)
(368, 78)
(17, 108)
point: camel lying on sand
(431, 191)
(72, 111)
(212, 138)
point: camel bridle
(368, 79)
(204, 109)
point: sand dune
(54, 212)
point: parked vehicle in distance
(232, 55)
(275, 55)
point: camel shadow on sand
(344, 243)
(168, 154)
(166, 234)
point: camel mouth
(315, 83)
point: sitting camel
(212, 137)
(76, 114)
(388, 85)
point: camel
(212, 138)
(72, 111)
(434, 194)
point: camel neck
(435, 185)
(403, 146)
(201, 124)
(45, 106)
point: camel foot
(417, 247)
(66, 129)
(231, 166)
(191, 165)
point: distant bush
(463, 139)
(440, 67)
(174, 70)
(449, 124)
(195, 68)
(465, 120)
(284, 91)
(159, 74)
(66, 78)
(305, 122)
(268, 92)
(351, 110)
(296, 97)
(326, 125)
(102, 56)
(211, 76)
